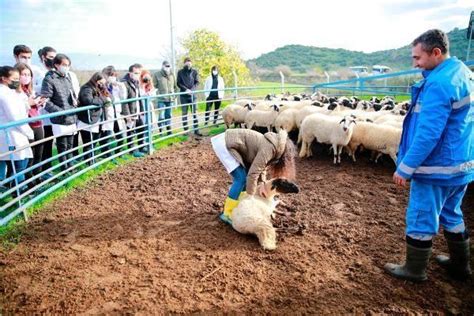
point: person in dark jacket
(187, 81)
(58, 90)
(134, 111)
(94, 92)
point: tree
(207, 49)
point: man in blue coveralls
(437, 153)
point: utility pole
(173, 57)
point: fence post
(10, 149)
(235, 84)
(92, 144)
(327, 81)
(149, 124)
(282, 77)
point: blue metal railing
(360, 85)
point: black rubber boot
(457, 264)
(414, 268)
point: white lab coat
(12, 109)
(220, 85)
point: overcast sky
(141, 28)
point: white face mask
(214, 72)
(26, 61)
(135, 76)
(112, 79)
(64, 70)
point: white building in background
(360, 70)
(380, 69)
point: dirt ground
(145, 239)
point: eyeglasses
(167, 66)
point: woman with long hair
(248, 156)
(33, 106)
(148, 89)
(94, 92)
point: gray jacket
(164, 84)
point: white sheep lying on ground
(262, 118)
(326, 130)
(380, 138)
(253, 214)
(235, 113)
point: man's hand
(399, 180)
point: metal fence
(396, 83)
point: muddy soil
(145, 239)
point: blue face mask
(64, 70)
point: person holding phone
(33, 104)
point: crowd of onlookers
(27, 91)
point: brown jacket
(254, 151)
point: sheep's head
(275, 107)
(332, 106)
(277, 186)
(348, 122)
(317, 103)
(282, 185)
(249, 106)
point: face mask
(112, 79)
(100, 86)
(214, 72)
(25, 61)
(48, 62)
(14, 85)
(25, 80)
(187, 65)
(64, 70)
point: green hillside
(303, 58)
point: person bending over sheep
(247, 155)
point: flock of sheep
(341, 122)
(350, 123)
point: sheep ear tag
(284, 186)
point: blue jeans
(239, 177)
(189, 102)
(20, 165)
(432, 205)
(164, 116)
